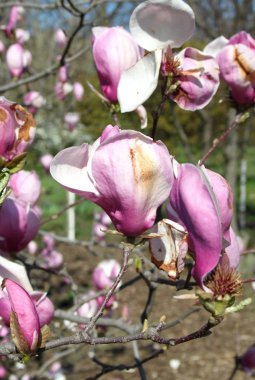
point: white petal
(215, 46)
(138, 83)
(15, 272)
(155, 24)
(69, 168)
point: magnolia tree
(168, 219)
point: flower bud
(26, 186)
(105, 274)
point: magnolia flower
(63, 74)
(125, 172)
(203, 202)
(195, 76)
(155, 25)
(72, 119)
(17, 129)
(105, 274)
(22, 35)
(45, 161)
(89, 308)
(19, 225)
(114, 51)
(237, 67)
(26, 186)
(17, 273)
(60, 38)
(78, 91)
(102, 222)
(14, 60)
(33, 100)
(16, 13)
(24, 319)
(62, 90)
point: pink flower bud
(14, 60)
(105, 274)
(78, 91)
(19, 225)
(109, 304)
(22, 35)
(16, 13)
(88, 309)
(33, 100)
(17, 129)
(52, 259)
(98, 231)
(25, 325)
(63, 74)
(62, 90)
(49, 242)
(26, 186)
(3, 372)
(114, 51)
(60, 38)
(130, 200)
(32, 247)
(203, 201)
(45, 161)
(72, 119)
(104, 219)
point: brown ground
(209, 358)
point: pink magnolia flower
(33, 100)
(44, 307)
(19, 225)
(125, 172)
(17, 129)
(22, 35)
(237, 67)
(88, 309)
(52, 259)
(60, 38)
(32, 247)
(45, 161)
(196, 78)
(26, 186)
(72, 119)
(25, 324)
(78, 91)
(14, 60)
(203, 202)
(62, 90)
(63, 74)
(105, 273)
(16, 13)
(114, 51)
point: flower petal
(215, 46)
(15, 272)
(69, 168)
(155, 24)
(138, 83)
